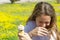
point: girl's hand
(25, 36)
(38, 31)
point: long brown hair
(46, 9)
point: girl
(41, 25)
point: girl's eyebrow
(43, 21)
(47, 22)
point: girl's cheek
(37, 24)
(48, 24)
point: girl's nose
(44, 25)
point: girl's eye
(47, 22)
(44, 22)
(40, 22)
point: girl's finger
(42, 33)
(20, 35)
(44, 28)
(41, 29)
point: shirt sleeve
(29, 26)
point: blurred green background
(11, 15)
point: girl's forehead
(43, 17)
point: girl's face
(43, 21)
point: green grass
(11, 15)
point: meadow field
(11, 15)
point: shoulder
(29, 26)
(30, 22)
